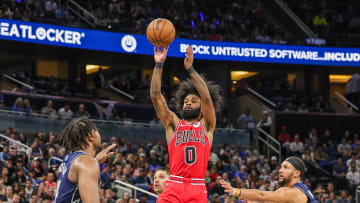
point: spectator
(18, 105)
(216, 188)
(159, 148)
(354, 160)
(5, 154)
(50, 183)
(353, 176)
(296, 147)
(142, 179)
(242, 173)
(9, 193)
(65, 112)
(28, 189)
(81, 112)
(344, 148)
(246, 120)
(265, 122)
(339, 169)
(262, 164)
(49, 110)
(284, 138)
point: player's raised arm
(167, 117)
(88, 179)
(281, 195)
(207, 106)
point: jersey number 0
(190, 155)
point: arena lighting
(339, 78)
(90, 68)
(176, 80)
(239, 75)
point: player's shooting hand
(189, 59)
(227, 187)
(104, 154)
(160, 54)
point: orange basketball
(160, 32)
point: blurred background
(272, 110)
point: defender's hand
(227, 187)
(103, 155)
(189, 59)
(160, 55)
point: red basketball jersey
(189, 151)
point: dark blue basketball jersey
(67, 191)
(306, 191)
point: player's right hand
(160, 54)
(227, 187)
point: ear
(297, 174)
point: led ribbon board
(206, 50)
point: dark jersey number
(190, 155)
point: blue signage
(206, 50)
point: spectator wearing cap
(273, 163)
(226, 156)
(5, 153)
(243, 174)
(154, 159)
(142, 179)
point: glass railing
(134, 132)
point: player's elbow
(261, 196)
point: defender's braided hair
(74, 135)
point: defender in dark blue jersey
(293, 191)
(78, 179)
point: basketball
(160, 32)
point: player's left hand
(227, 187)
(189, 59)
(104, 154)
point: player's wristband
(159, 64)
(191, 70)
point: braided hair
(74, 135)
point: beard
(190, 114)
(285, 180)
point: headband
(297, 163)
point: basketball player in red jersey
(189, 139)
